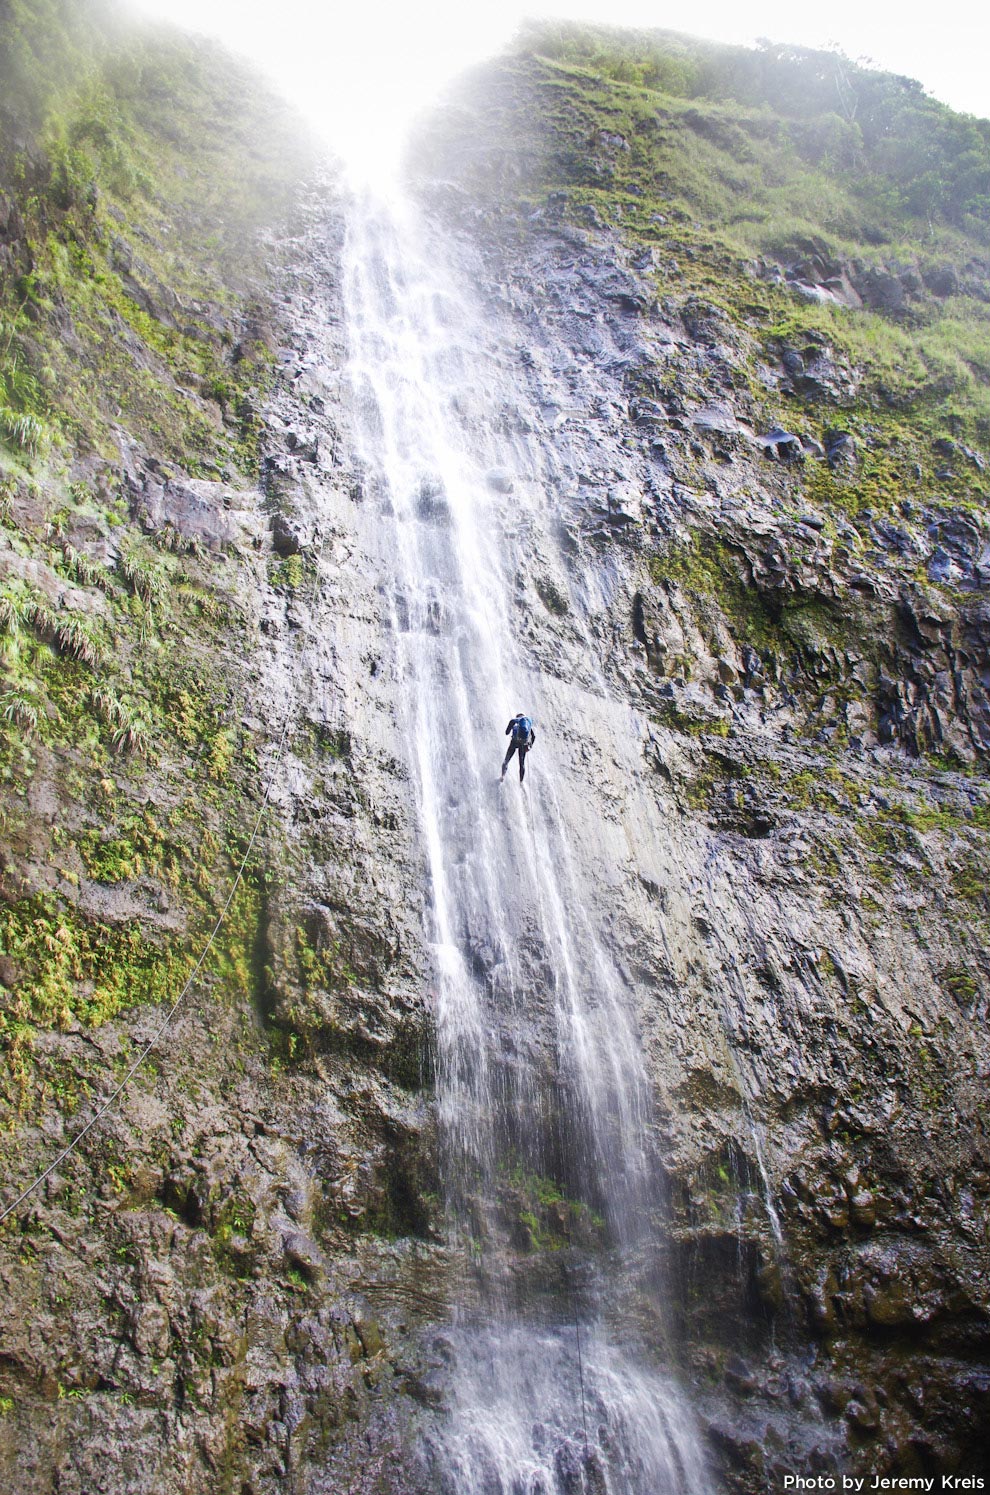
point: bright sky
(361, 68)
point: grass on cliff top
(716, 155)
(869, 137)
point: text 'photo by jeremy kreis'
(872, 1484)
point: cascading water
(540, 1078)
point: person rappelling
(523, 737)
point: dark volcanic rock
(202, 512)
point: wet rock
(203, 512)
(150, 1330)
(881, 289)
(840, 448)
(942, 567)
(11, 227)
(942, 280)
(720, 418)
(944, 446)
(623, 507)
(303, 1253)
(290, 536)
(304, 448)
(863, 1417)
(431, 501)
(370, 1336)
(783, 445)
(739, 1375)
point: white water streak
(539, 1055)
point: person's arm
(509, 727)
(532, 736)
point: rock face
(764, 715)
(219, 1287)
(784, 788)
(222, 1278)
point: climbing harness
(175, 1005)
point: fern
(132, 737)
(85, 571)
(65, 633)
(109, 707)
(25, 432)
(17, 708)
(71, 638)
(146, 580)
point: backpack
(522, 729)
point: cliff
(170, 567)
(739, 308)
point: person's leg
(505, 761)
(522, 763)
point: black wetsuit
(520, 745)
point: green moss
(670, 715)
(824, 787)
(969, 882)
(288, 574)
(961, 982)
(801, 791)
(70, 967)
(715, 575)
(137, 846)
(883, 841)
(827, 861)
(324, 964)
(714, 155)
(154, 161)
(715, 773)
(806, 637)
(221, 754)
(542, 1215)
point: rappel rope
(584, 1408)
(580, 1357)
(175, 1005)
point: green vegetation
(715, 575)
(134, 205)
(288, 574)
(324, 964)
(714, 155)
(829, 113)
(138, 169)
(961, 982)
(541, 1214)
(823, 788)
(801, 635)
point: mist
(361, 73)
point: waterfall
(543, 1103)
